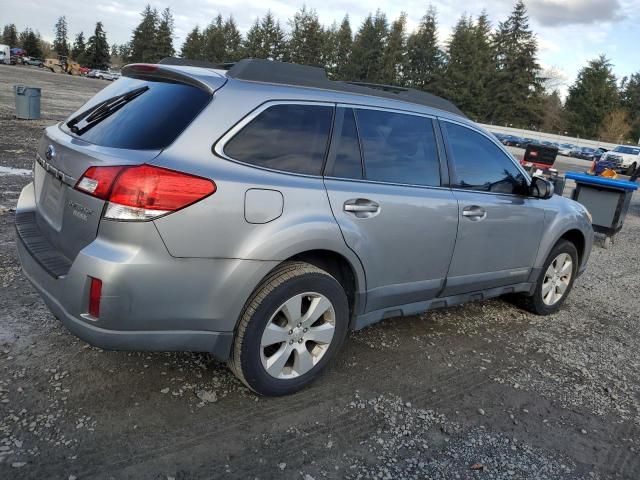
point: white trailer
(5, 54)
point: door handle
(474, 213)
(361, 207)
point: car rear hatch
(132, 132)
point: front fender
(562, 216)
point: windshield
(150, 120)
(627, 150)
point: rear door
(384, 181)
(500, 225)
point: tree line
(491, 73)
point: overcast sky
(569, 32)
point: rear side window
(151, 121)
(288, 137)
(398, 148)
(479, 164)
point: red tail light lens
(95, 293)
(143, 192)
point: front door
(500, 226)
(389, 204)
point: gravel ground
(479, 391)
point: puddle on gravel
(14, 171)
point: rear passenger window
(348, 163)
(292, 138)
(480, 165)
(398, 148)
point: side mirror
(541, 188)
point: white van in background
(5, 54)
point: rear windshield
(150, 121)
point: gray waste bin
(27, 102)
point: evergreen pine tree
(232, 41)
(97, 53)
(344, 43)
(272, 38)
(10, 35)
(124, 51)
(78, 50)
(307, 36)
(214, 42)
(593, 95)
(192, 47)
(630, 97)
(368, 49)
(30, 42)
(484, 69)
(61, 43)
(330, 49)
(143, 40)
(517, 86)
(164, 36)
(425, 60)
(395, 53)
(252, 44)
(460, 69)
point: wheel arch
(577, 238)
(342, 269)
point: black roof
(268, 71)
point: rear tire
(280, 346)
(555, 281)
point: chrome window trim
(378, 182)
(218, 147)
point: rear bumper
(216, 343)
(150, 300)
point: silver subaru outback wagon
(259, 213)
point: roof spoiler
(152, 71)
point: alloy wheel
(557, 279)
(298, 335)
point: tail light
(143, 192)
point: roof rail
(381, 86)
(269, 71)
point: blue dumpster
(606, 199)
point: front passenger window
(479, 164)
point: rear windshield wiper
(94, 115)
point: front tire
(555, 281)
(631, 169)
(290, 328)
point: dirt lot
(480, 391)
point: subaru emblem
(50, 153)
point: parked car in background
(37, 62)
(260, 213)
(102, 74)
(599, 152)
(626, 158)
(565, 149)
(512, 140)
(586, 153)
